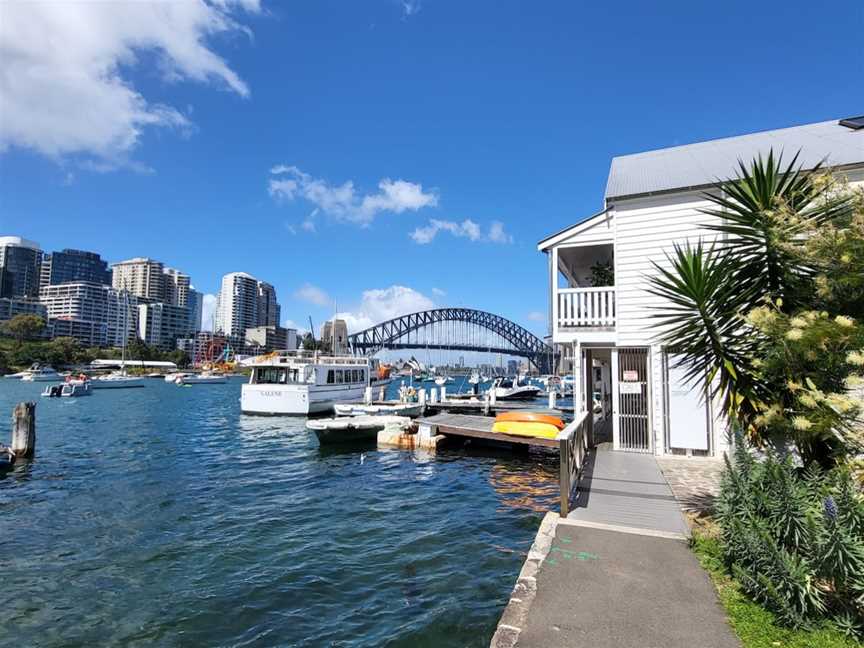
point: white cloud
(497, 233)
(208, 310)
(438, 292)
(63, 88)
(537, 316)
(381, 304)
(411, 7)
(466, 229)
(342, 201)
(313, 294)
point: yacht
(305, 383)
(204, 378)
(37, 373)
(116, 380)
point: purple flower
(829, 506)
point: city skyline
(372, 147)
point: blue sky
(134, 133)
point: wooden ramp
(625, 491)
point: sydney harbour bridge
(455, 329)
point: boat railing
(573, 448)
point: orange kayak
(530, 417)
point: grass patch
(755, 626)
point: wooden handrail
(573, 446)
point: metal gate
(634, 429)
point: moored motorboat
(510, 390)
(70, 389)
(351, 429)
(38, 373)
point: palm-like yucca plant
(705, 291)
(762, 215)
(702, 312)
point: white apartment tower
(176, 287)
(245, 302)
(141, 276)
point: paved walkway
(694, 481)
(604, 589)
(626, 490)
(617, 572)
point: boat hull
(196, 380)
(117, 384)
(295, 400)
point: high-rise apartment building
(244, 303)
(176, 287)
(268, 308)
(141, 276)
(160, 325)
(104, 315)
(74, 265)
(20, 266)
(196, 309)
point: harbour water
(163, 517)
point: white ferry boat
(307, 384)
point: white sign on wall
(630, 375)
(629, 388)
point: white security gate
(634, 429)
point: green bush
(794, 539)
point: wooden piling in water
(24, 429)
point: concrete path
(605, 589)
(627, 491)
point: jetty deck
(480, 427)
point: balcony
(586, 308)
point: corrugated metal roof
(703, 163)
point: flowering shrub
(816, 363)
(795, 542)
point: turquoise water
(163, 517)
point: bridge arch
(396, 333)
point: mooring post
(443, 394)
(24, 429)
(552, 394)
(491, 393)
(367, 395)
(433, 395)
(382, 393)
(421, 398)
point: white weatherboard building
(652, 201)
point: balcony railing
(586, 307)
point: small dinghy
(411, 410)
(351, 429)
(529, 424)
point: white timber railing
(573, 446)
(586, 307)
